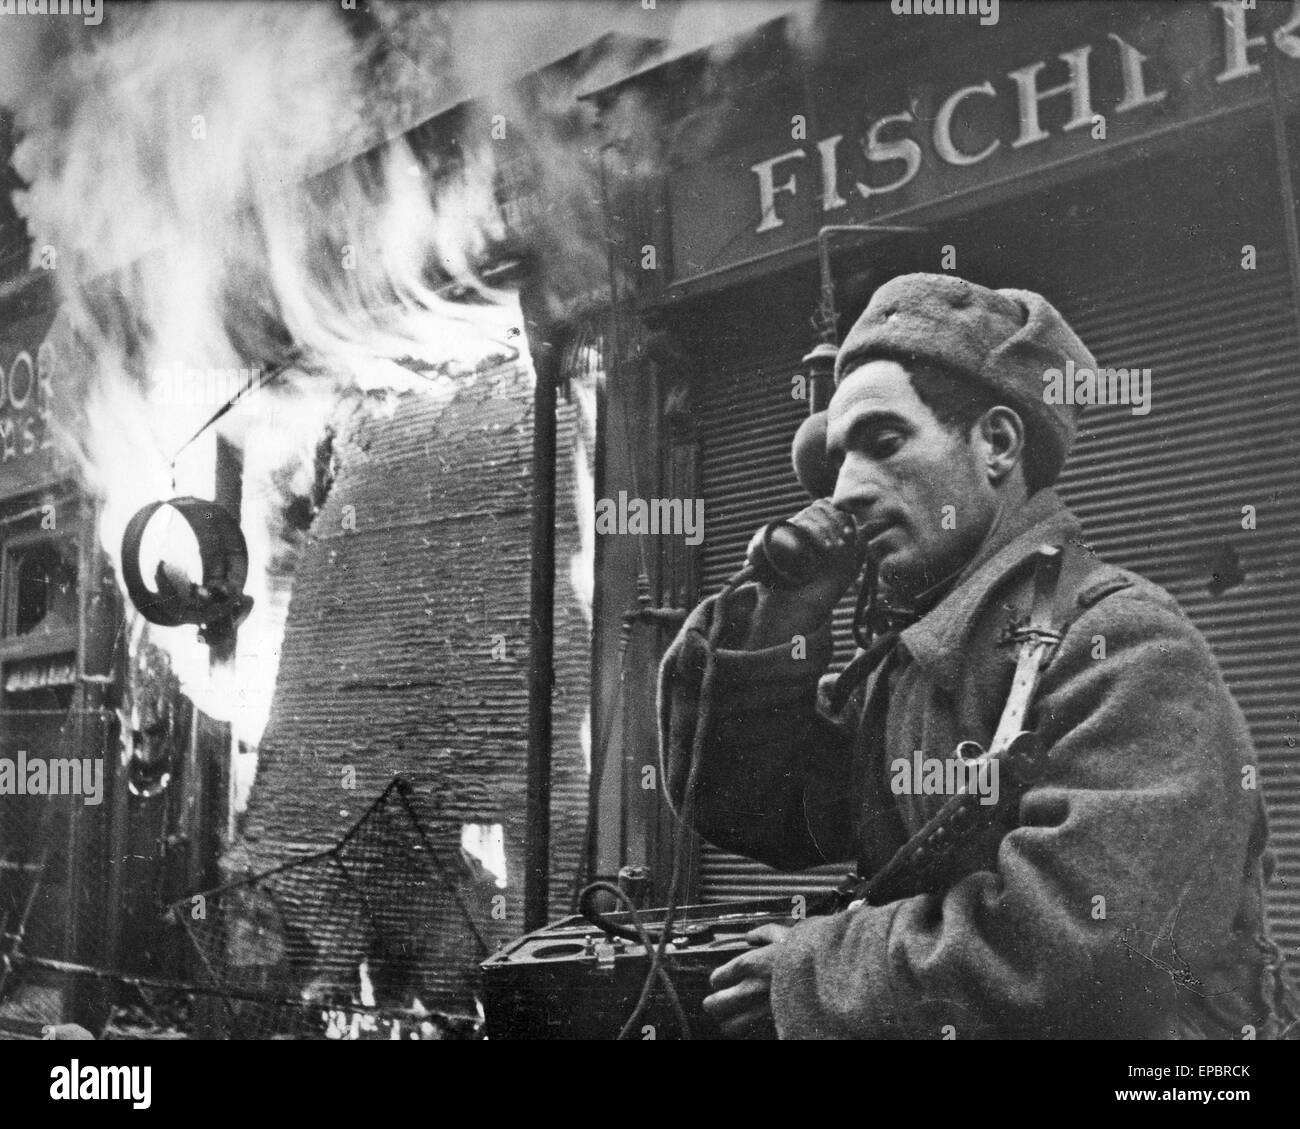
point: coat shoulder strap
(1068, 579)
(1035, 643)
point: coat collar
(938, 640)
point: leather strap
(1037, 639)
(958, 820)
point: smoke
(529, 64)
(189, 184)
(221, 187)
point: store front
(1128, 162)
(57, 771)
(113, 789)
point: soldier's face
(918, 490)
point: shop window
(40, 583)
(40, 684)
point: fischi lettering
(891, 145)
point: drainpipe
(545, 345)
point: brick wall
(388, 663)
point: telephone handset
(781, 554)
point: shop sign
(29, 366)
(965, 131)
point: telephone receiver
(781, 554)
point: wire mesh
(373, 938)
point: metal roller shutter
(749, 419)
(1162, 494)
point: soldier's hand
(805, 609)
(741, 1003)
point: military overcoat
(1121, 894)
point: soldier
(1119, 894)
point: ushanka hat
(1005, 340)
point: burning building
(404, 271)
(342, 376)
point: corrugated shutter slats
(1160, 493)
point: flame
(193, 177)
(189, 174)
